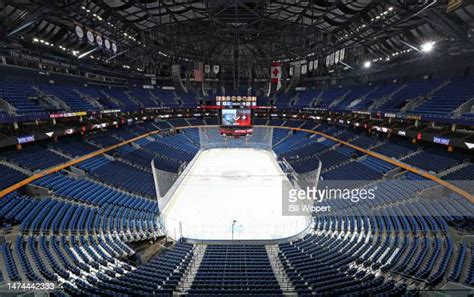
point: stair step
(187, 279)
(285, 283)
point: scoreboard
(236, 117)
(236, 122)
(236, 101)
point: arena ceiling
(242, 34)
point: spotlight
(427, 46)
(367, 64)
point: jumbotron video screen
(236, 117)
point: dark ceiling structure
(244, 36)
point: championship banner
(207, 69)
(341, 54)
(275, 73)
(93, 37)
(216, 69)
(310, 65)
(304, 69)
(79, 32)
(99, 40)
(90, 37)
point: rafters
(234, 32)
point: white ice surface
(226, 185)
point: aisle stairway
(188, 277)
(285, 284)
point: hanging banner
(310, 65)
(336, 57)
(315, 64)
(90, 37)
(198, 72)
(216, 69)
(99, 40)
(275, 73)
(341, 54)
(304, 69)
(79, 32)
(94, 37)
(107, 44)
(207, 69)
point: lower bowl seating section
(176, 147)
(162, 125)
(292, 141)
(294, 123)
(126, 177)
(365, 142)
(237, 270)
(193, 136)
(94, 193)
(82, 230)
(259, 121)
(103, 139)
(178, 122)
(6, 254)
(462, 178)
(396, 148)
(276, 122)
(401, 232)
(195, 121)
(35, 158)
(78, 234)
(320, 264)
(444, 160)
(9, 176)
(308, 162)
(279, 135)
(159, 276)
(351, 172)
(130, 169)
(377, 165)
(74, 147)
(212, 121)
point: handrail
(405, 166)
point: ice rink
(227, 185)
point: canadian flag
(275, 73)
(198, 71)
